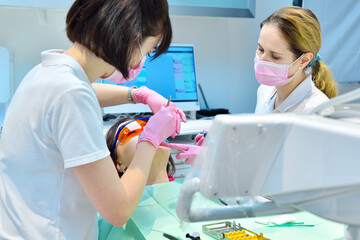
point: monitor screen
(171, 74)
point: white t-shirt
(304, 97)
(53, 124)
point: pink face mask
(272, 74)
(117, 76)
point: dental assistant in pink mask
(287, 65)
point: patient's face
(127, 151)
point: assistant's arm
(116, 198)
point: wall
(225, 49)
(339, 51)
(26, 36)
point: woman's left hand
(155, 101)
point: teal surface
(156, 214)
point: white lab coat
(304, 97)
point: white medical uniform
(304, 97)
(53, 123)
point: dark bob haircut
(111, 29)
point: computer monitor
(171, 74)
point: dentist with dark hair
(56, 172)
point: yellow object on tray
(230, 230)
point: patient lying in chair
(122, 139)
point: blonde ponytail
(323, 79)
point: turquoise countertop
(156, 214)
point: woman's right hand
(160, 126)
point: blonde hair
(301, 30)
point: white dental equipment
(305, 162)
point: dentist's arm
(111, 95)
(114, 198)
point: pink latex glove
(160, 126)
(199, 139)
(155, 101)
(189, 154)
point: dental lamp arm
(186, 213)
